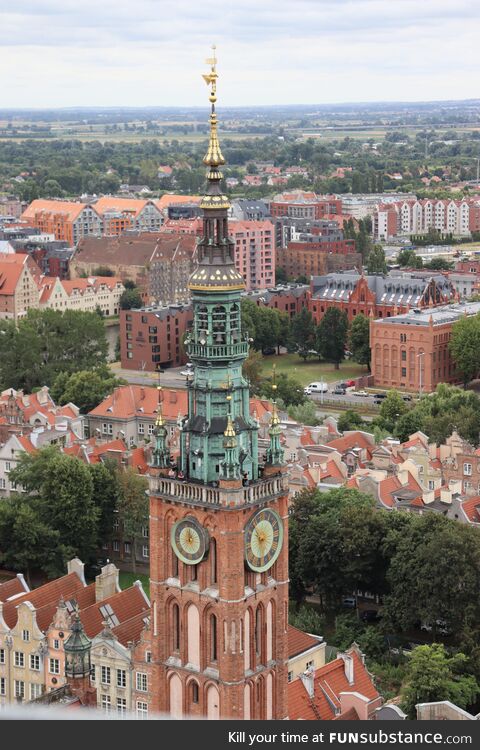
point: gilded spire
(213, 158)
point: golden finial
(274, 378)
(275, 418)
(213, 157)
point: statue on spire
(274, 451)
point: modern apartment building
(66, 220)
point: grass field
(127, 579)
(310, 371)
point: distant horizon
(61, 53)
(205, 108)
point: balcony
(218, 351)
(198, 494)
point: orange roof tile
(12, 587)
(471, 508)
(124, 604)
(385, 488)
(129, 205)
(131, 629)
(330, 680)
(68, 587)
(298, 641)
(69, 208)
(135, 400)
(355, 439)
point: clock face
(189, 541)
(263, 540)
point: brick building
(378, 296)
(410, 351)
(66, 220)
(121, 214)
(305, 205)
(155, 262)
(290, 298)
(254, 247)
(318, 258)
(18, 285)
(152, 337)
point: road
(170, 378)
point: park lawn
(127, 579)
(312, 370)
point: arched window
(213, 561)
(176, 627)
(213, 638)
(194, 692)
(258, 632)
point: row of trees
(66, 509)
(329, 339)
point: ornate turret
(161, 455)
(274, 451)
(77, 652)
(230, 464)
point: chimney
(455, 486)
(446, 495)
(348, 666)
(428, 496)
(106, 584)
(76, 566)
(308, 679)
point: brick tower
(218, 518)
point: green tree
(249, 317)
(85, 388)
(52, 189)
(305, 413)
(133, 507)
(44, 343)
(350, 420)
(439, 264)
(376, 262)
(407, 258)
(267, 328)
(105, 492)
(252, 369)
(392, 408)
(359, 339)
(303, 332)
(464, 347)
(288, 390)
(307, 619)
(131, 299)
(28, 544)
(280, 275)
(410, 422)
(61, 488)
(432, 675)
(332, 334)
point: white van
(316, 388)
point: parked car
(350, 383)
(186, 373)
(406, 397)
(349, 601)
(370, 615)
(339, 390)
(440, 627)
(380, 396)
(269, 350)
(362, 394)
(316, 388)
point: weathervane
(213, 157)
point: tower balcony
(201, 495)
(218, 351)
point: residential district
(263, 500)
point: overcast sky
(151, 52)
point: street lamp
(422, 354)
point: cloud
(60, 52)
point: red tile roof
(137, 401)
(12, 587)
(298, 641)
(351, 440)
(330, 680)
(131, 630)
(471, 508)
(68, 587)
(70, 209)
(124, 604)
(385, 489)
